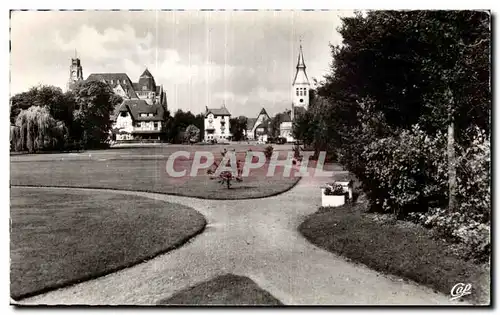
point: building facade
(217, 124)
(143, 113)
(300, 98)
(258, 127)
(137, 120)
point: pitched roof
(218, 111)
(263, 112)
(110, 76)
(301, 75)
(146, 73)
(118, 79)
(250, 123)
(130, 92)
(264, 124)
(137, 107)
(300, 62)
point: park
(370, 185)
(110, 220)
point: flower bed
(333, 195)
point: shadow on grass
(64, 238)
(225, 290)
(407, 251)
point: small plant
(226, 177)
(334, 190)
(268, 152)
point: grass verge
(143, 169)
(226, 290)
(405, 250)
(64, 237)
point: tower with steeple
(75, 72)
(300, 86)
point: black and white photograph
(252, 157)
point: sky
(243, 59)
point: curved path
(254, 238)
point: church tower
(300, 86)
(75, 72)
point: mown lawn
(404, 250)
(142, 169)
(62, 237)
(225, 290)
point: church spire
(300, 62)
(300, 75)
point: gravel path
(254, 238)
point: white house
(217, 124)
(138, 120)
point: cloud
(244, 59)
(110, 44)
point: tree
(199, 121)
(94, 103)
(192, 134)
(36, 130)
(396, 69)
(60, 105)
(238, 126)
(179, 123)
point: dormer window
(111, 81)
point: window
(123, 114)
(144, 88)
(297, 91)
(138, 124)
(111, 81)
(123, 81)
(156, 125)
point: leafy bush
(458, 227)
(406, 173)
(474, 177)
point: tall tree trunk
(452, 161)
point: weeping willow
(36, 130)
